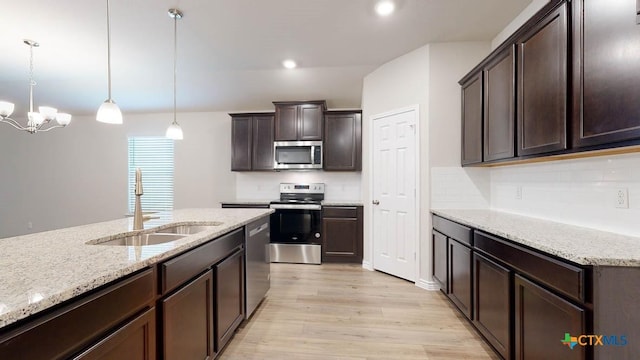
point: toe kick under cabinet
(522, 301)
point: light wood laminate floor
(335, 311)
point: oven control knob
(317, 235)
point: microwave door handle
(313, 154)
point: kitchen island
(44, 275)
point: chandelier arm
(51, 127)
(13, 123)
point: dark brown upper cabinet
(472, 119)
(606, 72)
(499, 101)
(296, 120)
(342, 141)
(542, 86)
(252, 141)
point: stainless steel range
(296, 225)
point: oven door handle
(296, 206)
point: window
(154, 157)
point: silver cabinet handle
(375, 202)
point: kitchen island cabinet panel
(499, 103)
(540, 318)
(606, 72)
(84, 320)
(472, 113)
(342, 234)
(342, 141)
(229, 297)
(542, 86)
(187, 317)
(134, 341)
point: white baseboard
(427, 285)
(367, 265)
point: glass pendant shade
(35, 118)
(109, 113)
(6, 108)
(174, 131)
(63, 119)
(48, 112)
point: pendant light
(109, 112)
(174, 131)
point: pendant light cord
(31, 82)
(175, 63)
(109, 49)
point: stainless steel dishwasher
(257, 264)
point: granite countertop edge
(581, 245)
(30, 263)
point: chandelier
(36, 121)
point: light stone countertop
(574, 243)
(342, 203)
(41, 270)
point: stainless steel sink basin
(188, 229)
(142, 240)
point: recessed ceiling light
(385, 7)
(289, 64)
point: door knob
(375, 202)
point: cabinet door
(542, 86)
(286, 122)
(343, 142)
(499, 102)
(606, 72)
(262, 143)
(342, 234)
(439, 243)
(460, 277)
(187, 318)
(310, 122)
(229, 304)
(541, 321)
(492, 316)
(136, 340)
(241, 143)
(472, 120)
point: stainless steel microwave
(297, 155)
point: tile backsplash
(580, 192)
(339, 186)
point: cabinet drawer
(183, 267)
(70, 328)
(566, 278)
(453, 230)
(340, 211)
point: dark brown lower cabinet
(541, 321)
(229, 278)
(439, 243)
(187, 317)
(342, 234)
(492, 302)
(134, 341)
(460, 280)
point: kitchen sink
(142, 240)
(188, 229)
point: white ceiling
(229, 51)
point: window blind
(154, 156)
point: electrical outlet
(29, 225)
(622, 198)
(518, 192)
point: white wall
(78, 175)
(518, 21)
(400, 83)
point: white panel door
(394, 189)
